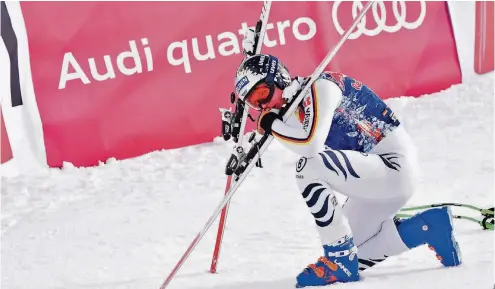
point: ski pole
(487, 223)
(485, 212)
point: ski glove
(292, 89)
(266, 119)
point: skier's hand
(292, 89)
(248, 42)
(266, 119)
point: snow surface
(125, 224)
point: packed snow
(125, 224)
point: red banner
(120, 79)
(6, 151)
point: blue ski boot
(433, 227)
(340, 264)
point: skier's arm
(319, 107)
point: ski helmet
(257, 77)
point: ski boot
(340, 264)
(432, 227)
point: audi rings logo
(380, 15)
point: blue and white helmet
(260, 68)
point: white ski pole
(256, 151)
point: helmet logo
(241, 84)
(273, 66)
(262, 59)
